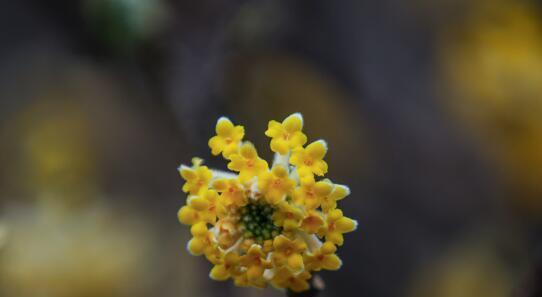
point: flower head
(265, 225)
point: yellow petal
(300, 245)
(216, 143)
(255, 250)
(328, 248)
(295, 262)
(295, 158)
(298, 139)
(254, 272)
(230, 149)
(293, 123)
(281, 242)
(211, 195)
(305, 176)
(345, 224)
(196, 246)
(331, 262)
(237, 163)
(224, 126)
(199, 229)
(279, 259)
(299, 285)
(231, 258)
(335, 237)
(319, 167)
(241, 281)
(312, 223)
(279, 145)
(187, 173)
(219, 273)
(317, 150)
(290, 224)
(187, 215)
(261, 165)
(220, 184)
(280, 172)
(248, 151)
(198, 203)
(204, 173)
(196, 162)
(274, 129)
(335, 215)
(340, 192)
(322, 188)
(238, 133)
(246, 175)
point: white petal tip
(188, 248)
(347, 190)
(182, 167)
(355, 225)
(323, 142)
(340, 264)
(223, 118)
(296, 115)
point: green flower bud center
(256, 222)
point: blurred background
(432, 110)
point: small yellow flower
(288, 216)
(286, 135)
(323, 258)
(276, 184)
(265, 225)
(232, 192)
(227, 268)
(243, 281)
(197, 178)
(227, 138)
(255, 262)
(247, 162)
(288, 252)
(312, 193)
(285, 279)
(190, 215)
(208, 205)
(310, 159)
(337, 225)
(203, 241)
(313, 221)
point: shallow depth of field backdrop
(432, 111)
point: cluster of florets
(265, 225)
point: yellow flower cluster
(264, 225)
